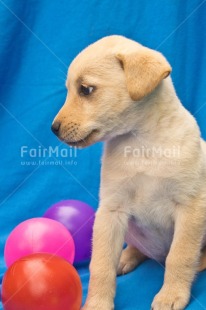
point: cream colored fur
(153, 180)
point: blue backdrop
(38, 40)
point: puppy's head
(105, 83)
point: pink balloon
(39, 235)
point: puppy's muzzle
(56, 127)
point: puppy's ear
(144, 70)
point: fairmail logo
(41, 152)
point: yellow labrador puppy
(153, 180)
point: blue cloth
(39, 38)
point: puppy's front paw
(97, 305)
(171, 299)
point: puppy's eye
(86, 90)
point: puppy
(153, 177)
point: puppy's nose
(55, 127)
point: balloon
(78, 217)
(41, 282)
(39, 235)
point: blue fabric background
(38, 40)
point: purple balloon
(78, 217)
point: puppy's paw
(97, 307)
(97, 304)
(129, 260)
(88, 307)
(171, 299)
(126, 266)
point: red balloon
(41, 282)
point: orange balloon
(41, 282)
